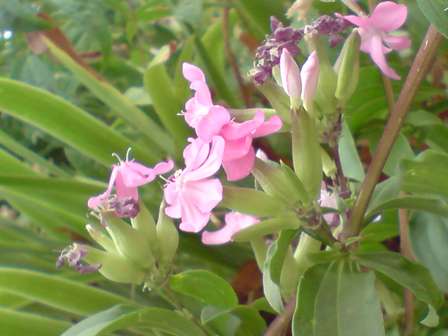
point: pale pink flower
(200, 112)
(239, 154)
(126, 177)
(191, 194)
(374, 30)
(299, 85)
(328, 200)
(234, 222)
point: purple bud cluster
(73, 256)
(125, 207)
(268, 54)
(281, 37)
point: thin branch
(389, 93)
(280, 324)
(419, 69)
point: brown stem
(231, 57)
(389, 93)
(419, 69)
(280, 325)
(406, 251)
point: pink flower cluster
(193, 192)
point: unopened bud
(113, 266)
(144, 224)
(290, 77)
(300, 8)
(347, 67)
(310, 77)
(168, 237)
(129, 242)
(101, 238)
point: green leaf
(251, 201)
(426, 174)
(272, 269)
(433, 205)
(70, 296)
(400, 150)
(269, 226)
(205, 287)
(189, 11)
(160, 88)
(336, 300)
(146, 319)
(350, 161)
(429, 238)
(436, 13)
(116, 101)
(64, 121)
(241, 321)
(406, 273)
(21, 323)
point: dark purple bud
(125, 207)
(72, 256)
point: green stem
(306, 246)
(420, 67)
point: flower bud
(113, 266)
(145, 225)
(128, 241)
(101, 238)
(168, 237)
(306, 152)
(347, 67)
(300, 8)
(309, 77)
(290, 76)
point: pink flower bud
(309, 77)
(290, 75)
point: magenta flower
(239, 154)
(374, 30)
(299, 85)
(191, 194)
(234, 222)
(126, 177)
(200, 112)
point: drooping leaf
(350, 161)
(205, 287)
(436, 13)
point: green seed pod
(168, 237)
(306, 152)
(145, 225)
(129, 242)
(347, 67)
(113, 266)
(101, 238)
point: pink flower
(234, 222)
(191, 194)
(299, 85)
(211, 120)
(374, 30)
(126, 177)
(328, 200)
(239, 154)
(200, 112)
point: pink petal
(195, 153)
(376, 52)
(397, 42)
(360, 21)
(192, 72)
(290, 75)
(237, 149)
(163, 167)
(212, 123)
(310, 77)
(234, 222)
(205, 194)
(173, 211)
(239, 168)
(193, 220)
(388, 16)
(134, 174)
(95, 201)
(202, 93)
(234, 130)
(211, 165)
(123, 190)
(272, 125)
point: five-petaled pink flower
(126, 177)
(374, 30)
(191, 194)
(234, 222)
(211, 120)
